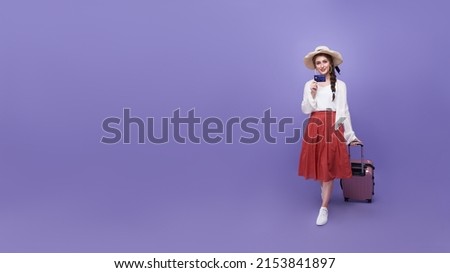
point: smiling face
(322, 63)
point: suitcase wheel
(345, 199)
(369, 200)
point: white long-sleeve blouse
(323, 101)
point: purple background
(67, 65)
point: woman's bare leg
(326, 191)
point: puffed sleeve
(349, 134)
(309, 104)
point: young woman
(328, 131)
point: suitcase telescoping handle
(362, 155)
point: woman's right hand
(313, 87)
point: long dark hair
(332, 71)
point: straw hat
(308, 60)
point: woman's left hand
(356, 142)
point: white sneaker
(322, 218)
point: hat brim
(308, 60)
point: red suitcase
(361, 185)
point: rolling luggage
(360, 187)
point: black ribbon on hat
(338, 69)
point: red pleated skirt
(324, 155)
